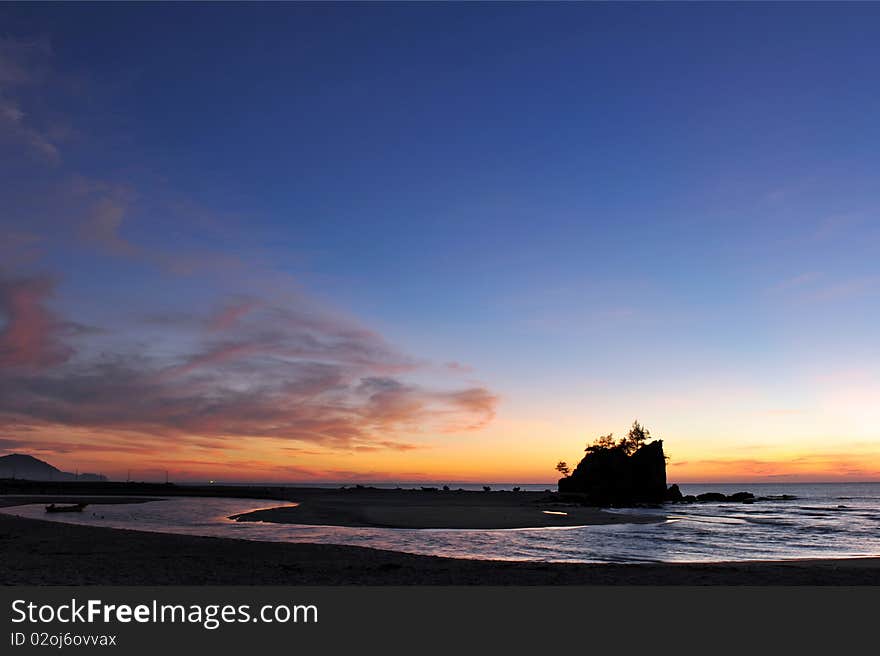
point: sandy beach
(418, 509)
(39, 552)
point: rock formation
(610, 477)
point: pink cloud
(230, 314)
(459, 367)
(32, 336)
(103, 223)
(285, 372)
(101, 208)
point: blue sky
(587, 206)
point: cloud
(813, 287)
(19, 247)
(32, 336)
(836, 225)
(13, 127)
(391, 404)
(795, 282)
(844, 289)
(476, 403)
(8, 445)
(101, 208)
(273, 371)
(255, 368)
(103, 223)
(387, 445)
(231, 313)
(24, 63)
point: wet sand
(38, 552)
(417, 509)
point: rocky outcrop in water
(673, 493)
(718, 497)
(611, 477)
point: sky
(439, 242)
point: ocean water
(825, 520)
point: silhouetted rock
(736, 497)
(673, 493)
(608, 476)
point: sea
(823, 520)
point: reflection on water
(809, 527)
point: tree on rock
(628, 471)
(638, 435)
(602, 443)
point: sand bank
(415, 509)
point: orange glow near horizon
(747, 444)
(464, 460)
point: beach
(429, 509)
(38, 552)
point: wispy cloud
(796, 282)
(836, 225)
(814, 287)
(24, 63)
(273, 372)
(844, 289)
(104, 207)
(458, 367)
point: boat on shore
(76, 507)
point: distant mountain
(19, 465)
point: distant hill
(19, 465)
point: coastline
(41, 552)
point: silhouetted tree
(563, 468)
(636, 437)
(601, 443)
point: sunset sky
(440, 242)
